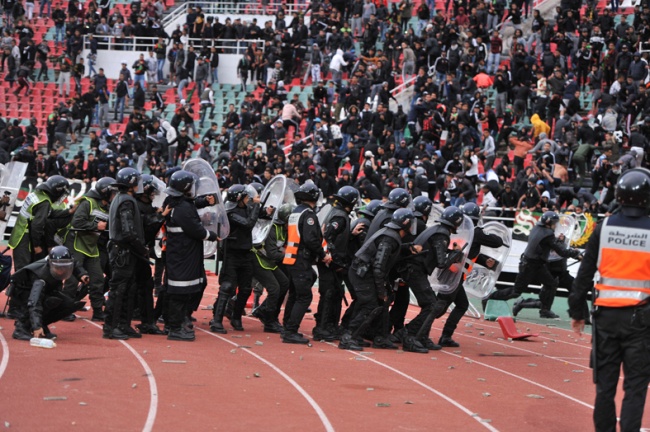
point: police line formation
(271, 238)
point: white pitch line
(559, 393)
(431, 389)
(153, 388)
(321, 414)
(5, 355)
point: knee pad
(227, 289)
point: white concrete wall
(261, 19)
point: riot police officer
(152, 219)
(39, 217)
(416, 270)
(39, 300)
(397, 198)
(89, 221)
(533, 264)
(459, 296)
(237, 271)
(337, 234)
(269, 271)
(184, 267)
(369, 275)
(620, 251)
(304, 249)
(126, 245)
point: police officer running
(533, 266)
(337, 234)
(90, 219)
(619, 249)
(184, 266)
(38, 295)
(304, 249)
(397, 198)
(369, 276)
(126, 245)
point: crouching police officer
(126, 245)
(619, 249)
(38, 297)
(369, 276)
(533, 266)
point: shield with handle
(434, 216)
(275, 194)
(12, 175)
(481, 278)
(214, 217)
(445, 281)
(567, 226)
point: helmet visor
(61, 269)
(157, 186)
(140, 187)
(251, 192)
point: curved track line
(5, 355)
(321, 414)
(153, 388)
(559, 393)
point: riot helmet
(104, 187)
(371, 209)
(633, 192)
(57, 187)
(182, 183)
(549, 219)
(60, 263)
(452, 217)
(348, 196)
(397, 198)
(422, 206)
(473, 211)
(236, 194)
(402, 219)
(129, 178)
(308, 192)
(284, 212)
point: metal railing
(228, 46)
(236, 7)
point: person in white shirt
(488, 151)
(336, 66)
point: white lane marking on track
(521, 378)
(321, 414)
(5, 355)
(153, 388)
(431, 389)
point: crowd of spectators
(567, 97)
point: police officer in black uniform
(337, 235)
(619, 250)
(397, 198)
(38, 295)
(126, 245)
(459, 296)
(369, 276)
(421, 210)
(415, 271)
(184, 268)
(304, 249)
(237, 271)
(152, 219)
(533, 265)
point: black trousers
(56, 306)
(400, 306)
(238, 270)
(122, 289)
(619, 342)
(366, 302)
(276, 284)
(300, 295)
(529, 271)
(144, 296)
(330, 289)
(461, 304)
(418, 281)
(179, 307)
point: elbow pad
(127, 224)
(440, 251)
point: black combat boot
(349, 343)
(216, 325)
(411, 344)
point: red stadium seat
(510, 331)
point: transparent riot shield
(445, 281)
(11, 178)
(275, 194)
(481, 278)
(434, 216)
(158, 200)
(566, 226)
(214, 217)
(323, 212)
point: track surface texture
(250, 380)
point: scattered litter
(486, 394)
(309, 345)
(367, 353)
(468, 361)
(248, 377)
(175, 361)
(486, 420)
(144, 352)
(83, 327)
(247, 335)
(233, 351)
(370, 389)
(256, 375)
(209, 307)
(408, 403)
(333, 379)
(567, 380)
(7, 424)
(479, 328)
(300, 357)
(451, 367)
(322, 350)
(498, 354)
(400, 351)
(551, 325)
(535, 396)
(434, 358)
(244, 346)
(236, 336)
(361, 358)
(134, 385)
(383, 405)
(481, 334)
(83, 403)
(474, 414)
(578, 370)
(468, 324)
(259, 343)
(481, 379)
(532, 364)
(55, 398)
(552, 340)
(457, 352)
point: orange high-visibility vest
(624, 266)
(293, 238)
